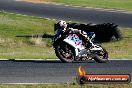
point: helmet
(62, 24)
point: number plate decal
(73, 39)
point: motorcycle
(70, 47)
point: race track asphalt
(67, 13)
(17, 71)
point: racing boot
(92, 47)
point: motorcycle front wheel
(64, 52)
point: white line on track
(99, 9)
(47, 59)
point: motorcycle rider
(62, 26)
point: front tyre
(64, 52)
(101, 56)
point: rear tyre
(101, 56)
(65, 52)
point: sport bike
(70, 47)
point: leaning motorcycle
(70, 47)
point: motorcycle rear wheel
(101, 56)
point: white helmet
(62, 24)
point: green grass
(69, 86)
(17, 39)
(121, 49)
(107, 4)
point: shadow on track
(46, 61)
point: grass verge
(26, 37)
(107, 4)
(69, 86)
(121, 49)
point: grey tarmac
(54, 71)
(68, 13)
